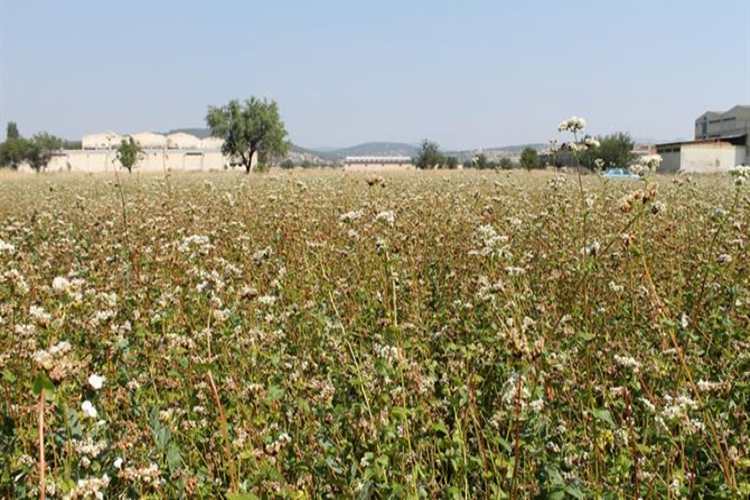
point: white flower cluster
(39, 315)
(492, 243)
(89, 448)
(16, 279)
(387, 352)
(511, 395)
(7, 247)
(351, 216)
(46, 358)
(741, 174)
(262, 255)
(195, 242)
(281, 441)
(89, 410)
(61, 285)
(573, 124)
(592, 142)
(146, 475)
(645, 164)
(89, 488)
(627, 362)
(96, 381)
(387, 217)
(678, 410)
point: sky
(465, 74)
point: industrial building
(722, 141)
(377, 163)
(178, 152)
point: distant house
(722, 141)
(377, 163)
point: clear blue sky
(466, 74)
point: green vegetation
(249, 129)
(36, 152)
(429, 156)
(40, 149)
(129, 153)
(529, 158)
(614, 150)
(438, 334)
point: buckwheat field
(326, 335)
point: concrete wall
(670, 161)
(96, 161)
(711, 158)
(377, 167)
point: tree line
(255, 137)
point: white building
(176, 152)
(377, 163)
(722, 141)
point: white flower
(6, 247)
(118, 463)
(572, 124)
(96, 381)
(89, 410)
(592, 142)
(60, 284)
(351, 216)
(627, 362)
(741, 173)
(388, 217)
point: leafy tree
(12, 131)
(40, 150)
(288, 163)
(249, 129)
(529, 158)
(451, 162)
(429, 156)
(506, 163)
(13, 150)
(481, 162)
(616, 150)
(129, 153)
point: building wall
(670, 161)
(377, 167)
(711, 157)
(736, 121)
(96, 161)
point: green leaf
(604, 416)
(574, 492)
(242, 496)
(43, 383)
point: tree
(288, 163)
(505, 163)
(249, 129)
(616, 150)
(12, 131)
(529, 158)
(13, 150)
(451, 162)
(40, 150)
(481, 162)
(429, 156)
(129, 153)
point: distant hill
(376, 149)
(332, 155)
(200, 133)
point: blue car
(619, 173)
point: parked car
(620, 173)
